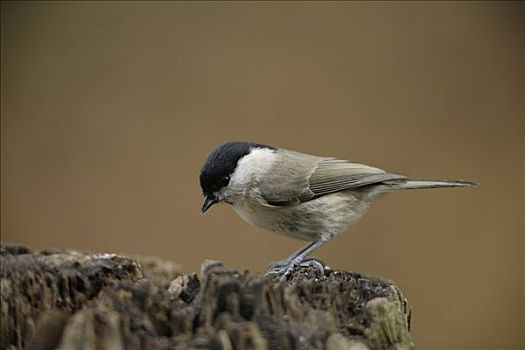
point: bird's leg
(285, 267)
(278, 267)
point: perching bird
(297, 195)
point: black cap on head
(221, 163)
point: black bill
(209, 200)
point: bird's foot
(316, 263)
(280, 267)
(285, 267)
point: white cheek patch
(252, 166)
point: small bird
(298, 195)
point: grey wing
(334, 175)
(287, 181)
(317, 177)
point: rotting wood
(72, 300)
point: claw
(280, 268)
(284, 268)
(314, 262)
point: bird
(298, 195)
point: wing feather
(333, 175)
(303, 177)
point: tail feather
(416, 184)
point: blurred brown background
(110, 109)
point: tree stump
(72, 300)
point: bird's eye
(225, 181)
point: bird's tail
(406, 184)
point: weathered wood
(71, 300)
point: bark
(72, 300)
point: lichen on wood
(72, 300)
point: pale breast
(326, 216)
